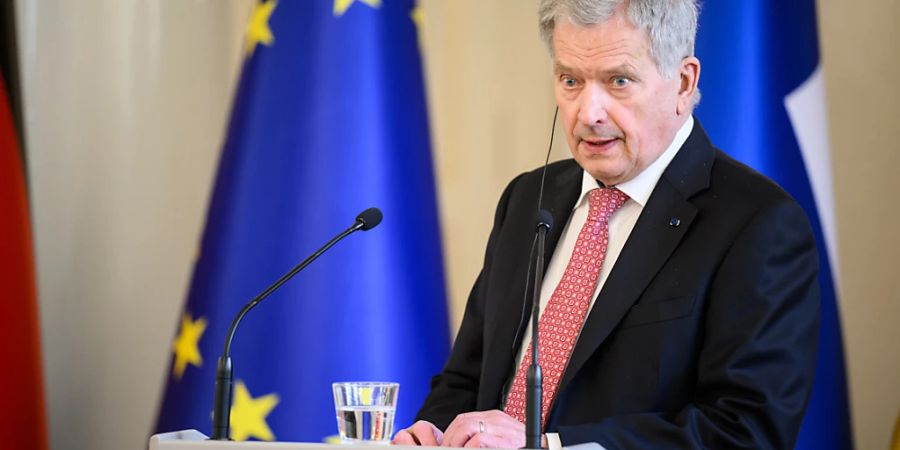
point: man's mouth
(599, 145)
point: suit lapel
(560, 201)
(506, 336)
(648, 247)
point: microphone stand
(224, 369)
(534, 380)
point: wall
(126, 103)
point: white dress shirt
(621, 223)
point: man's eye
(569, 81)
(620, 81)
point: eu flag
(763, 101)
(329, 119)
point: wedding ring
(481, 426)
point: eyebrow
(559, 68)
(625, 68)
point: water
(365, 424)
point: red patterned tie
(564, 314)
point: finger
(481, 440)
(425, 433)
(490, 440)
(499, 431)
(404, 437)
(437, 434)
(466, 426)
(501, 424)
(462, 428)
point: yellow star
(258, 31)
(341, 6)
(185, 345)
(248, 415)
(418, 19)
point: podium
(195, 440)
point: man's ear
(689, 76)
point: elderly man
(680, 303)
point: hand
(420, 433)
(485, 429)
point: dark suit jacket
(704, 335)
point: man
(680, 304)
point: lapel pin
(674, 222)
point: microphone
(544, 220)
(368, 219)
(365, 221)
(534, 380)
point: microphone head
(369, 218)
(544, 220)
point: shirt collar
(640, 187)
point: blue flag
(763, 102)
(329, 119)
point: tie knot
(605, 201)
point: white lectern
(195, 440)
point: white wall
(126, 103)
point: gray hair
(670, 24)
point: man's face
(620, 114)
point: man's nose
(594, 103)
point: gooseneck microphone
(534, 380)
(365, 221)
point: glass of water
(365, 411)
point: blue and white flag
(329, 119)
(764, 103)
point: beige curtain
(126, 101)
